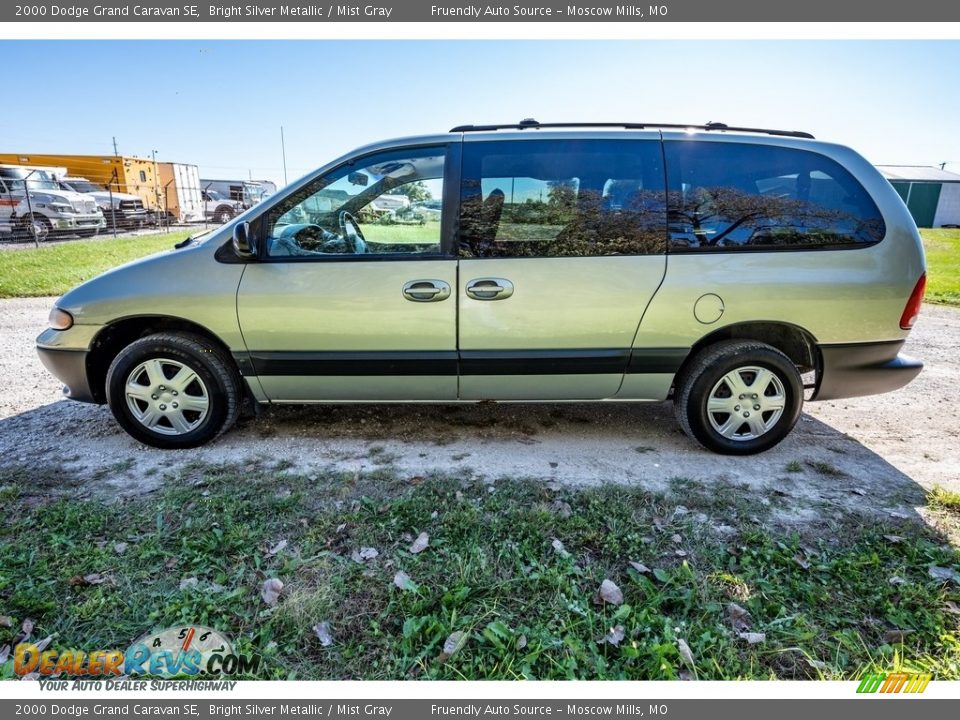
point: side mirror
(243, 245)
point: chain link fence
(72, 197)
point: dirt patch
(872, 455)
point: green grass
(942, 499)
(54, 269)
(401, 234)
(824, 468)
(490, 571)
(943, 265)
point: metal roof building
(931, 194)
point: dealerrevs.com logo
(900, 682)
(189, 651)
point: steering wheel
(310, 237)
(350, 232)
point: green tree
(561, 200)
(415, 190)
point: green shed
(931, 194)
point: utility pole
(283, 149)
(156, 185)
(115, 153)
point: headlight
(62, 207)
(60, 319)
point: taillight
(912, 309)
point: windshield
(36, 179)
(83, 186)
(252, 193)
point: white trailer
(182, 192)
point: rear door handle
(426, 290)
(489, 288)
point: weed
(825, 468)
(940, 498)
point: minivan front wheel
(173, 390)
(739, 397)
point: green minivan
(734, 270)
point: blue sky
(220, 104)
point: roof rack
(530, 123)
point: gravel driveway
(873, 455)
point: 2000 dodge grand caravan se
(527, 262)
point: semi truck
(33, 205)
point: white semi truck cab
(33, 204)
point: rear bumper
(70, 368)
(863, 369)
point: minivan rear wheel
(739, 397)
(174, 390)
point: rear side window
(562, 198)
(733, 196)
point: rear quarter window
(737, 196)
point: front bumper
(70, 368)
(80, 222)
(64, 354)
(126, 217)
(853, 370)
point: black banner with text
(424, 11)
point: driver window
(384, 204)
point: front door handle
(426, 290)
(489, 288)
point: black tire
(223, 215)
(704, 376)
(219, 381)
(44, 229)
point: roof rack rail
(530, 123)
